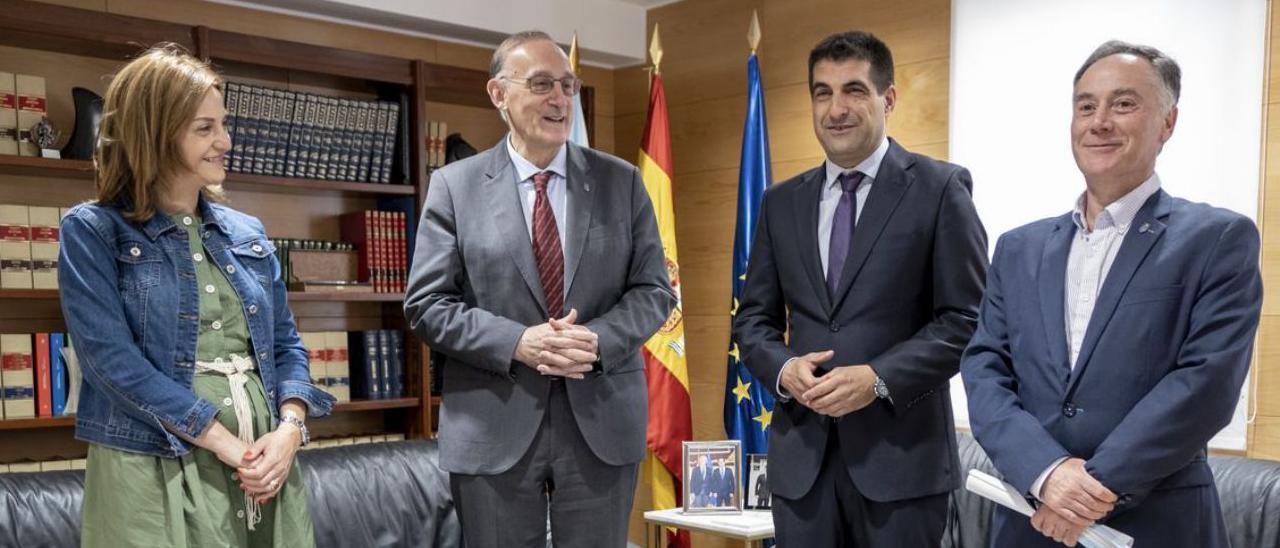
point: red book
(380, 244)
(402, 249)
(44, 378)
(357, 228)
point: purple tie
(842, 229)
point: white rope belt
(235, 371)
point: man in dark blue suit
(863, 288)
(1114, 340)
(725, 487)
(698, 481)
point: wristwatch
(882, 390)
(302, 427)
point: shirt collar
(1119, 213)
(525, 169)
(869, 167)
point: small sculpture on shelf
(44, 136)
(88, 117)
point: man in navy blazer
(1114, 340)
(863, 288)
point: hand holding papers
(999, 492)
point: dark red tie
(546, 247)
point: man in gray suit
(538, 274)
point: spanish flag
(670, 424)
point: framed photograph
(713, 476)
(758, 495)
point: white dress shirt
(556, 193)
(831, 192)
(1089, 261)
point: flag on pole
(666, 371)
(748, 406)
(578, 132)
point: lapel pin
(1144, 228)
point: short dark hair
(1166, 68)
(860, 45)
(512, 42)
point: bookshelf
(73, 46)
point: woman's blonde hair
(149, 106)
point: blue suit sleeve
(1019, 447)
(1196, 399)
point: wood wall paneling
(1264, 433)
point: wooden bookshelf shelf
(42, 422)
(339, 296)
(373, 405)
(265, 183)
(45, 167)
(83, 169)
(28, 294)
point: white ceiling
(611, 33)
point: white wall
(1012, 64)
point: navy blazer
(907, 304)
(1163, 358)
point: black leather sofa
(1249, 490)
(381, 494)
(394, 494)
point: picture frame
(759, 496)
(713, 477)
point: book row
(357, 364)
(39, 376)
(380, 240)
(22, 104)
(29, 246)
(296, 134)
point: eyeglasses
(542, 85)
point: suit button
(1069, 409)
(835, 327)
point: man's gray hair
(512, 42)
(1166, 68)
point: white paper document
(999, 492)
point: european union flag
(748, 406)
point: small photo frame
(758, 494)
(712, 477)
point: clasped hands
(559, 347)
(1072, 500)
(262, 467)
(841, 391)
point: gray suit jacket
(474, 288)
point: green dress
(192, 501)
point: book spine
(380, 113)
(15, 247)
(354, 227)
(32, 107)
(44, 247)
(309, 152)
(18, 376)
(44, 377)
(339, 373)
(384, 363)
(244, 125)
(58, 371)
(397, 363)
(8, 114)
(254, 141)
(231, 98)
(297, 106)
(362, 141)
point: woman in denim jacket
(196, 383)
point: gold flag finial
(573, 53)
(753, 34)
(655, 50)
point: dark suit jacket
(1160, 368)
(474, 288)
(725, 486)
(698, 481)
(907, 304)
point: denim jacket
(132, 307)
